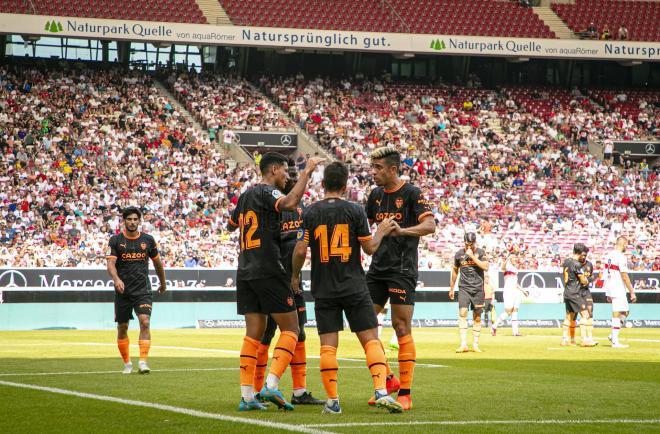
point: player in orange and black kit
(393, 272)
(261, 285)
(335, 230)
(291, 221)
(128, 265)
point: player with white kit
(512, 293)
(615, 282)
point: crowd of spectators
(78, 144)
(488, 164)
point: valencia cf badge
(398, 202)
(143, 246)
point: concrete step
(548, 16)
(214, 13)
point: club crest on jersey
(143, 246)
(398, 202)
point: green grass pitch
(519, 384)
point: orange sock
(376, 363)
(260, 369)
(144, 349)
(248, 361)
(387, 364)
(407, 356)
(329, 368)
(299, 367)
(283, 353)
(572, 330)
(122, 344)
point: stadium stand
(177, 11)
(453, 17)
(81, 143)
(641, 18)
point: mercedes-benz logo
(532, 280)
(12, 279)
(650, 148)
(285, 140)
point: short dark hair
(130, 211)
(270, 159)
(470, 237)
(390, 155)
(335, 176)
(579, 248)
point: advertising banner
(285, 38)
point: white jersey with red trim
(615, 263)
(510, 276)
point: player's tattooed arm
(297, 262)
(160, 272)
(426, 227)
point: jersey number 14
(339, 243)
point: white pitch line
(623, 339)
(488, 422)
(170, 408)
(209, 350)
(46, 374)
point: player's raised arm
(479, 258)
(290, 201)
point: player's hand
(397, 231)
(469, 253)
(312, 163)
(451, 294)
(162, 288)
(386, 227)
(119, 286)
(633, 297)
(295, 284)
(609, 299)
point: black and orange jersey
(572, 269)
(257, 216)
(290, 223)
(588, 270)
(471, 277)
(406, 205)
(133, 254)
(334, 228)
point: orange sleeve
(277, 204)
(424, 215)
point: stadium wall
(293, 39)
(82, 299)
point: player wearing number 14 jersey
(335, 230)
(261, 285)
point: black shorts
(575, 303)
(471, 301)
(126, 303)
(588, 299)
(272, 295)
(399, 289)
(271, 325)
(359, 310)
